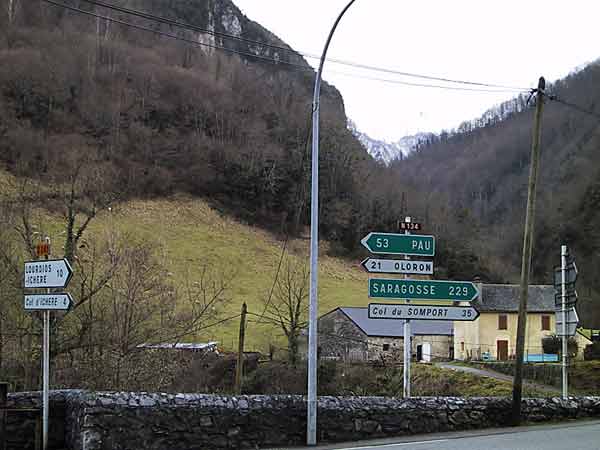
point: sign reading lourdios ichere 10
(47, 274)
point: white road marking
(401, 444)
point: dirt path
(497, 376)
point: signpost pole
(407, 341)
(46, 375)
(46, 370)
(563, 263)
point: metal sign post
(563, 254)
(565, 298)
(407, 330)
(46, 380)
(46, 274)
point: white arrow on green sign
(423, 312)
(399, 244)
(458, 291)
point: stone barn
(347, 334)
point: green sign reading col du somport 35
(399, 244)
(458, 291)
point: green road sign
(459, 291)
(399, 244)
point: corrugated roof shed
(395, 328)
(505, 298)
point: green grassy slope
(193, 234)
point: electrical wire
(301, 199)
(424, 85)
(574, 106)
(179, 38)
(191, 27)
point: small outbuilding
(347, 334)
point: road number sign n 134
(47, 273)
(423, 312)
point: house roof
(181, 346)
(505, 298)
(395, 328)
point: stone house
(494, 334)
(348, 334)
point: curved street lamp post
(311, 428)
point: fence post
(38, 433)
(3, 400)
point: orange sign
(42, 249)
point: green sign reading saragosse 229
(459, 291)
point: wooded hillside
(477, 177)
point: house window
(502, 322)
(462, 346)
(545, 323)
(386, 347)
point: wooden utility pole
(239, 368)
(527, 252)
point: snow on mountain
(384, 151)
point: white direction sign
(48, 302)
(422, 312)
(373, 265)
(572, 322)
(47, 273)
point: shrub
(592, 352)
(553, 345)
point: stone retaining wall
(128, 421)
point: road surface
(498, 376)
(568, 436)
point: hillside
(474, 183)
(184, 111)
(195, 235)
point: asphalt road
(497, 376)
(570, 436)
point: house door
(502, 350)
(427, 352)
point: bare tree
(287, 308)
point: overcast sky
(505, 42)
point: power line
(425, 77)
(162, 33)
(574, 106)
(436, 86)
(176, 23)
(301, 198)
(192, 27)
